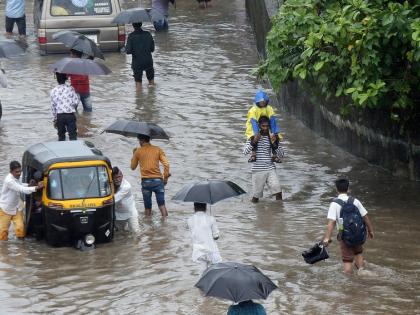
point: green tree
(368, 50)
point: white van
(89, 17)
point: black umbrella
(209, 191)
(75, 40)
(9, 48)
(79, 66)
(137, 15)
(235, 282)
(134, 128)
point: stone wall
(369, 135)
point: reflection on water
(203, 90)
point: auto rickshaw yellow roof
(42, 155)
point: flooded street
(202, 94)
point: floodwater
(203, 91)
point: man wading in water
(263, 169)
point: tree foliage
(366, 49)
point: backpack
(353, 232)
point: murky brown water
(202, 94)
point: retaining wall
(368, 134)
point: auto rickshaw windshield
(78, 182)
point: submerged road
(202, 93)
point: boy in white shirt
(204, 232)
(348, 253)
(126, 215)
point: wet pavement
(203, 91)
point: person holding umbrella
(64, 101)
(80, 83)
(246, 307)
(148, 157)
(140, 45)
(204, 233)
(238, 283)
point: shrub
(366, 49)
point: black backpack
(353, 232)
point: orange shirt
(148, 157)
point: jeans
(66, 122)
(150, 185)
(161, 25)
(86, 102)
(20, 22)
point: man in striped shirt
(147, 157)
(263, 169)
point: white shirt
(125, 207)
(203, 230)
(334, 210)
(64, 100)
(10, 194)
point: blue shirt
(246, 308)
(15, 8)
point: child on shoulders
(261, 108)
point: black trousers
(20, 22)
(66, 122)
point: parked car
(76, 206)
(89, 17)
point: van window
(80, 7)
(78, 182)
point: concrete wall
(369, 134)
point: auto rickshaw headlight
(89, 239)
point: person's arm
(330, 228)
(152, 44)
(128, 46)
(369, 226)
(53, 108)
(21, 188)
(165, 163)
(134, 160)
(122, 192)
(247, 147)
(214, 229)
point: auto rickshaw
(76, 205)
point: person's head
(61, 77)
(15, 169)
(261, 99)
(264, 124)
(143, 139)
(75, 53)
(137, 26)
(117, 176)
(199, 206)
(342, 185)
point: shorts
(260, 179)
(20, 22)
(348, 253)
(138, 74)
(153, 185)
